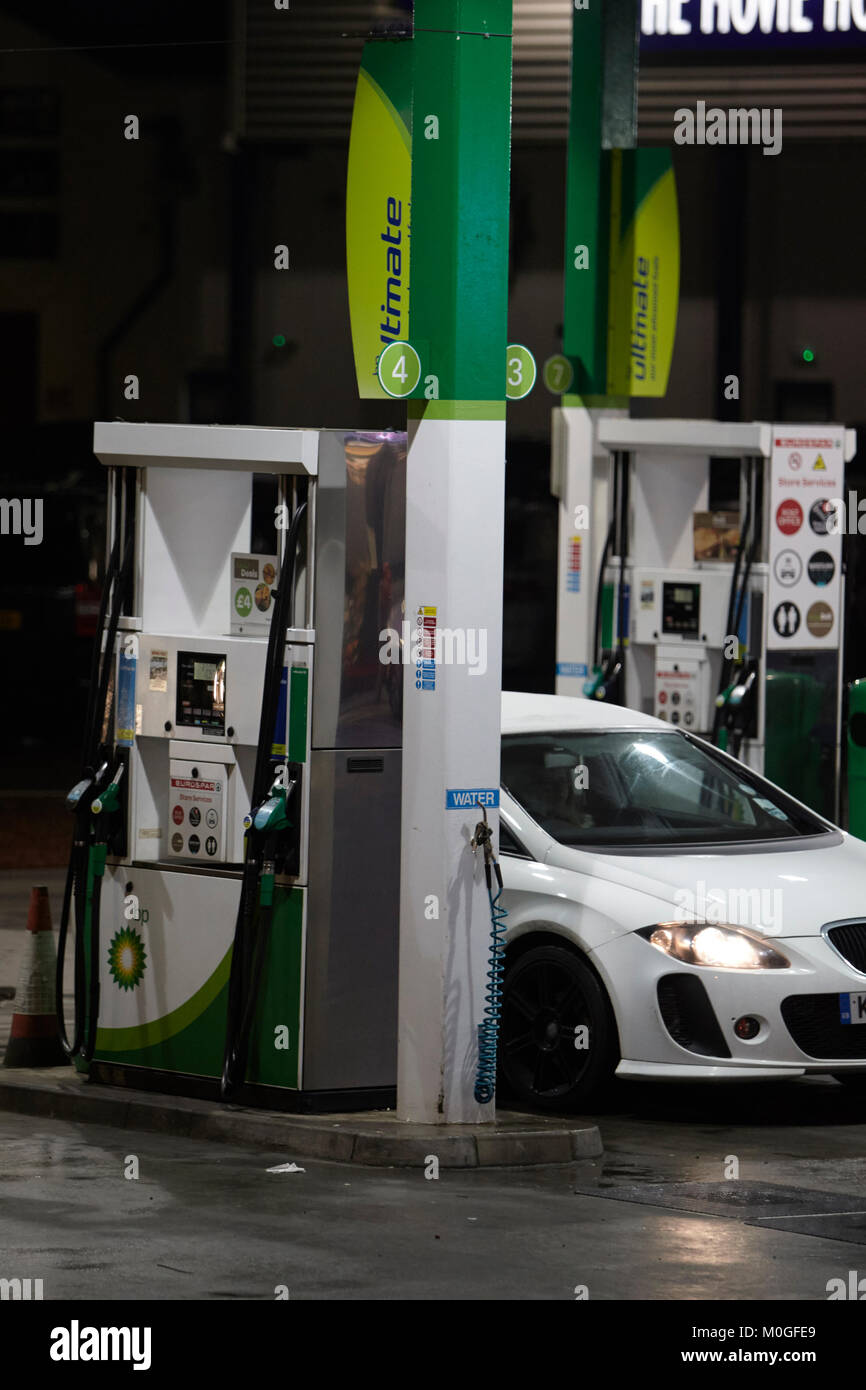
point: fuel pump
(727, 623)
(233, 882)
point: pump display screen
(201, 691)
(681, 610)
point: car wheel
(856, 1080)
(557, 1039)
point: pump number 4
(399, 369)
(520, 371)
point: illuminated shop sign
(718, 25)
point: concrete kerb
(374, 1139)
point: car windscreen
(628, 789)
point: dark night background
(156, 257)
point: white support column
(451, 734)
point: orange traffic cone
(34, 1040)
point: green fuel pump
(792, 758)
(857, 759)
(217, 933)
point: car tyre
(545, 1062)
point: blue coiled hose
(488, 1031)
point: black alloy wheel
(557, 1042)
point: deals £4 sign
(807, 470)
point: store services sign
(807, 472)
(717, 25)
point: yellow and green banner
(622, 251)
(378, 193)
(644, 270)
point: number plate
(852, 1007)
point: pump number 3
(399, 369)
(520, 371)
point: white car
(671, 915)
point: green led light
(279, 340)
(808, 355)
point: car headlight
(722, 947)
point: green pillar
(461, 158)
(602, 117)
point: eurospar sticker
(197, 810)
(807, 471)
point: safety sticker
(425, 662)
(574, 565)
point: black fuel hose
(605, 555)
(736, 600)
(74, 892)
(249, 948)
(88, 753)
(73, 878)
(88, 1042)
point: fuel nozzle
(109, 800)
(75, 798)
(602, 680)
(271, 817)
(271, 822)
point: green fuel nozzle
(593, 684)
(109, 800)
(270, 820)
(272, 816)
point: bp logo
(126, 958)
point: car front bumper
(631, 969)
